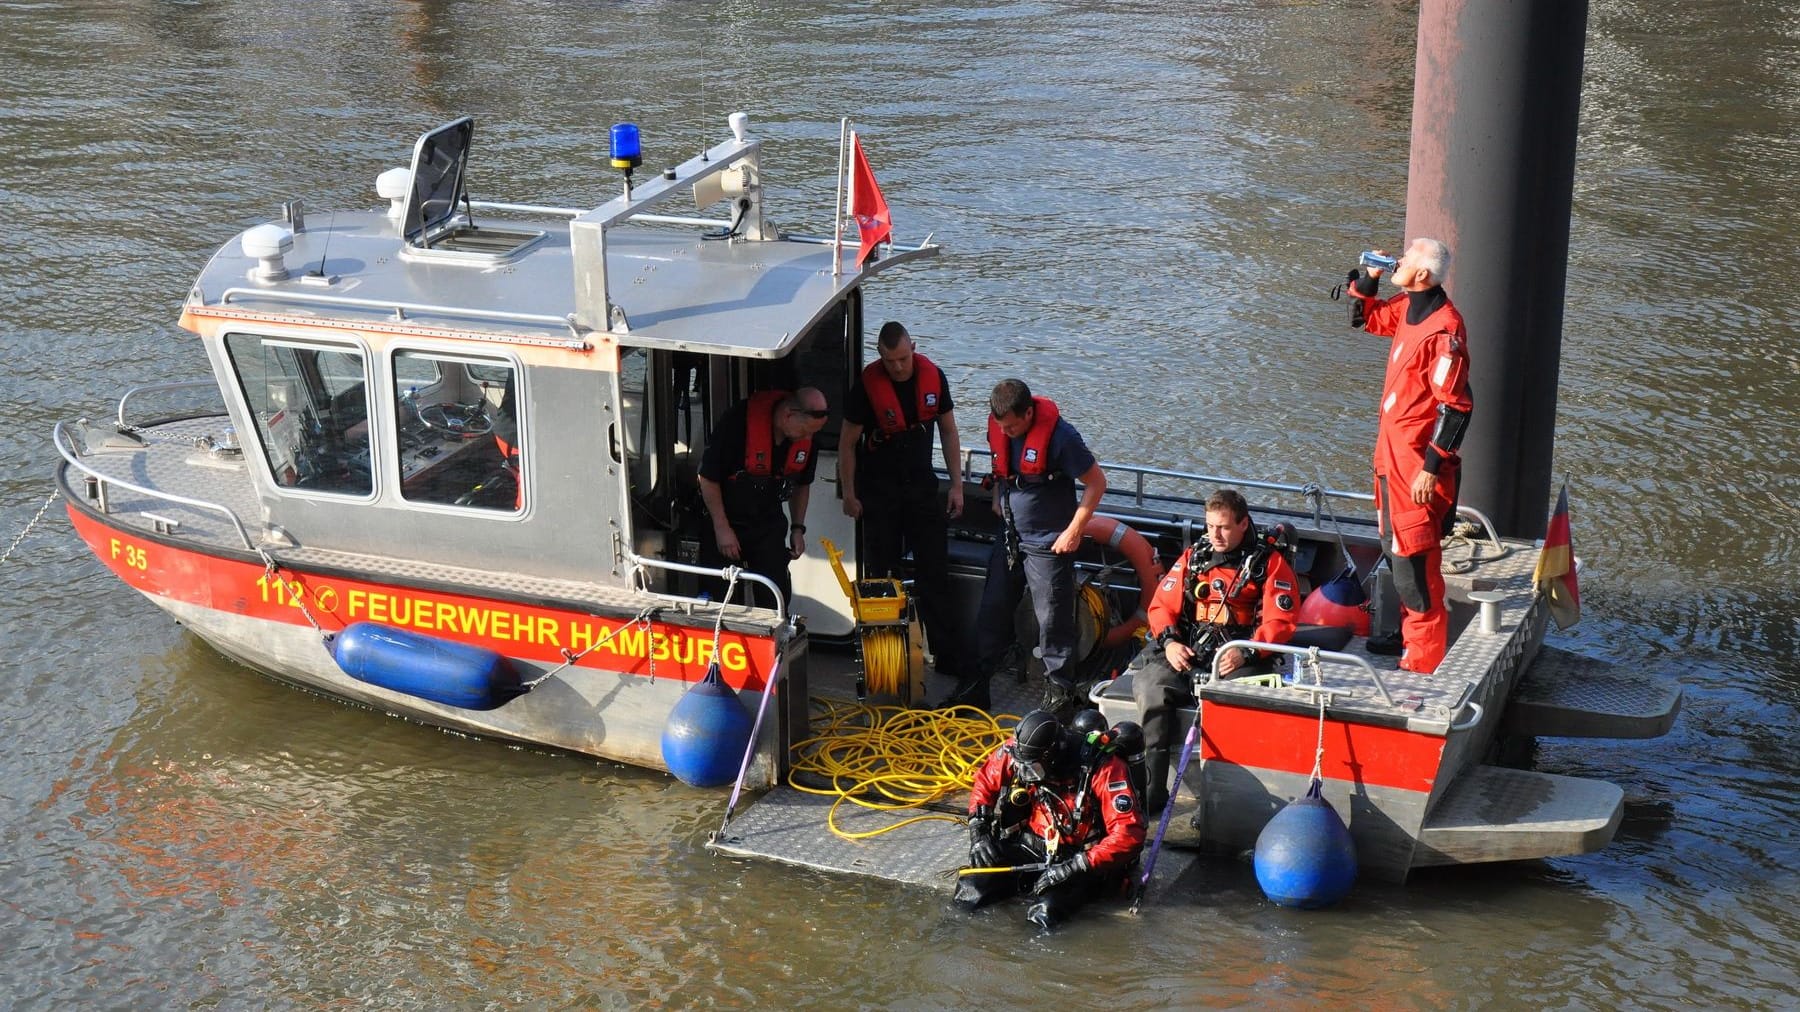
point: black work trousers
(910, 517)
(1161, 692)
(763, 542)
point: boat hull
(610, 702)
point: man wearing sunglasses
(759, 456)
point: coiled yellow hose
(890, 759)
(884, 661)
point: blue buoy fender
(706, 734)
(455, 674)
(1304, 856)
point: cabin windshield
(311, 409)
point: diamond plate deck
(1566, 695)
(1492, 813)
(790, 826)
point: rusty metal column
(1495, 106)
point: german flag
(1555, 574)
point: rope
(891, 759)
(1312, 664)
(28, 526)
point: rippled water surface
(1144, 203)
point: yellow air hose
(884, 661)
(891, 759)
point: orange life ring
(1117, 535)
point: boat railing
(70, 454)
(399, 310)
(642, 217)
(1312, 657)
(140, 392)
(641, 582)
(1313, 493)
(1140, 475)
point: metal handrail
(640, 563)
(389, 305)
(1486, 524)
(68, 454)
(503, 207)
(1141, 472)
(152, 388)
(1312, 653)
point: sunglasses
(815, 414)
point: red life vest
(928, 383)
(759, 436)
(1034, 460)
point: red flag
(1555, 574)
(867, 204)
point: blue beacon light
(626, 152)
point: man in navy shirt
(1038, 458)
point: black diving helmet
(1034, 746)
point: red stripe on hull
(1357, 753)
(527, 632)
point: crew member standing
(887, 480)
(1235, 585)
(1425, 407)
(1038, 457)
(758, 457)
(1045, 799)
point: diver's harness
(1205, 638)
(1011, 812)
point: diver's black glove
(1060, 872)
(984, 850)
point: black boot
(971, 691)
(1060, 698)
(1385, 644)
(1156, 775)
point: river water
(1143, 203)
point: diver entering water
(1053, 813)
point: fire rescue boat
(444, 466)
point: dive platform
(791, 827)
(1566, 695)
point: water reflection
(1143, 204)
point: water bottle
(1374, 261)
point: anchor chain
(28, 526)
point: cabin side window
(312, 412)
(458, 431)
